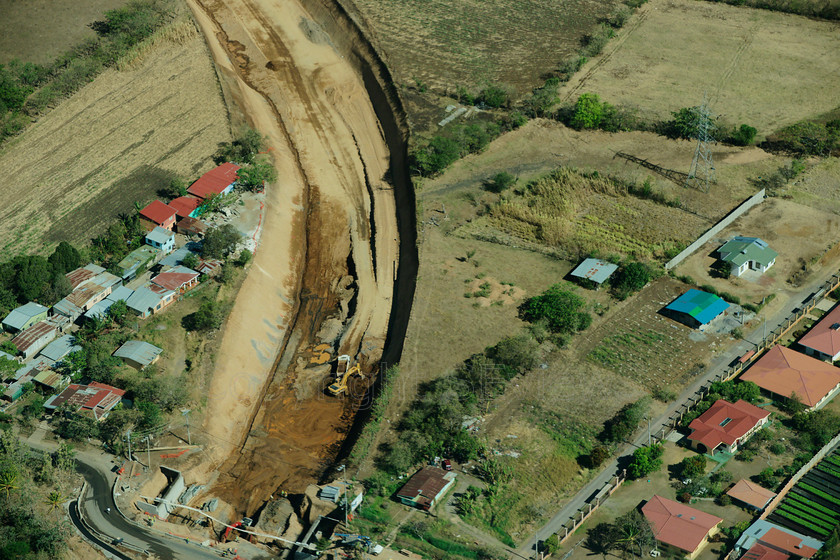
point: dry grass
(115, 142)
(39, 30)
(763, 68)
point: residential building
(176, 257)
(782, 372)
(179, 279)
(696, 309)
(138, 354)
(60, 347)
(218, 181)
(25, 316)
(210, 267)
(30, 341)
(15, 389)
(51, 381)
(594, 270)
(823, 340)
(96, 399)
(157, 214)
(162, 239)
(747, 253)
(751, 494)
(138, 259)
(778, 538)
(186, 207)
(761, 552)
(191, 227)
(150, 299)
(725, 426)
(100, 310)
(679, 528)
(426, 487)
(91, 284)
(83, 274)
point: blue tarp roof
(702, 306)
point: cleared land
(39, 30)
(115, 142)
(763, 68)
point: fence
(757, 198)
(583, 513)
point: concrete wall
(755, 199)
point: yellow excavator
(340, 385)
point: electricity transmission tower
(702, 172)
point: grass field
(115, 142)
(763, 68)
(39, 30)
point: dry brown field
(444, 44)
(763, 68)
(111, 145)
(819, 186)
(39, 30)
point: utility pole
(344, 479)
(128, 437)
(149, 451)
(186, 413)
(648, 419)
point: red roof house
(680, 526)
(823, 340)
(751, 494)
(179, 279)
(725, 426)
(96, 399)
(185, 206)
(782, 372)
(216, 181)
(761, 552)
(426, 486)
(157, 214)
(784, 541)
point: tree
(33, 276)
(65, 258)
(8, 480)
(8, 301)
(645, 461)
(495, 96)
(631, 277)
(624, 423)
(693, 467)
(207, 317)
(743, 135)
(191, 261)
(518, 352)
(9, 347)
(254, 176)
(685, 123)
(560, 307)
(118, 312)
(602, 538)
(243, 149)
(58, 288)
(8, 368)
(588, 112)
(244, 257)
(793, 404)
(597, 456)
(633, 532)
(77, 427)
(152, 415)
(176, 187)
(499, 182)
(220, 241)
(54, 500)
(437, 155)
(64, 458)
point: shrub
(620, 16)
(743, 135)
(693, 467)
(253, 176)
(495, 96)
(570, 66)
(208, 317)
(806, 138)
(499, 182)
(645, 461)
(595, 42)
(588, 112)
(561, 308)
(621, 426)
(630, 278)
(517, 352)
(685, 123)
(541, 100)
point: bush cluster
(806, 138)
(561, 309)
(620, 427)
(35, 278)
(441, 151)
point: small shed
(138, 354)
(191, 226)
(426, 487)
(24, 317)
(594, 270)
(696, 308)
(30, 341)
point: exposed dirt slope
(324, 270)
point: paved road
(723, 360)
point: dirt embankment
(326, 268)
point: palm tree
(8, 480)
(54, 500)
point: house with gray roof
(138, 354)
(161, 238)
(60, 347)
(747, 253)
(100, 310)
(24, 317)
(594, 270)
(150, 299)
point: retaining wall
(755, 199)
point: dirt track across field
(325, 268)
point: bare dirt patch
(763, 68)
(115, 142)
(800, 234)
(39, 30)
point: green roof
(744, 249)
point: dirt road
(325, 268)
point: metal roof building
(60, 347)
(595, 270)
(24, 316)
(30, 341)
(101, 309)
(138, 354)
(743, 253)
(141, 256)
(216, 181)
(696, 308)
(426, 486)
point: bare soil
(328, 251)
(39, 30)
(112, 144)
(763, 68)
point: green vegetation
(495, 96)
(253, 176)
(500, 182)
(438, 153)
(589, 112)
(243, 149)
(220, 241)
(561, 308)
(806, 138)
(693, 466)
(629, 279)
(743, 135)
(631, 534)
(35, 278)
(645, 461)
(620, 427)
(815, 428)
(27, 90)
(377, 413)
(825, 10)
(207, 317)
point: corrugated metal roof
(33, 334)
(60, 347)
(596, 270)
(159, 235)
(18, 317)
(175, 278)
(185, 205)
(143, 300)
(702, 306)
(215, 181)
(138, 351)
(739, 250)
(157, 212)
(83, 273)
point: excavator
(340, 385)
